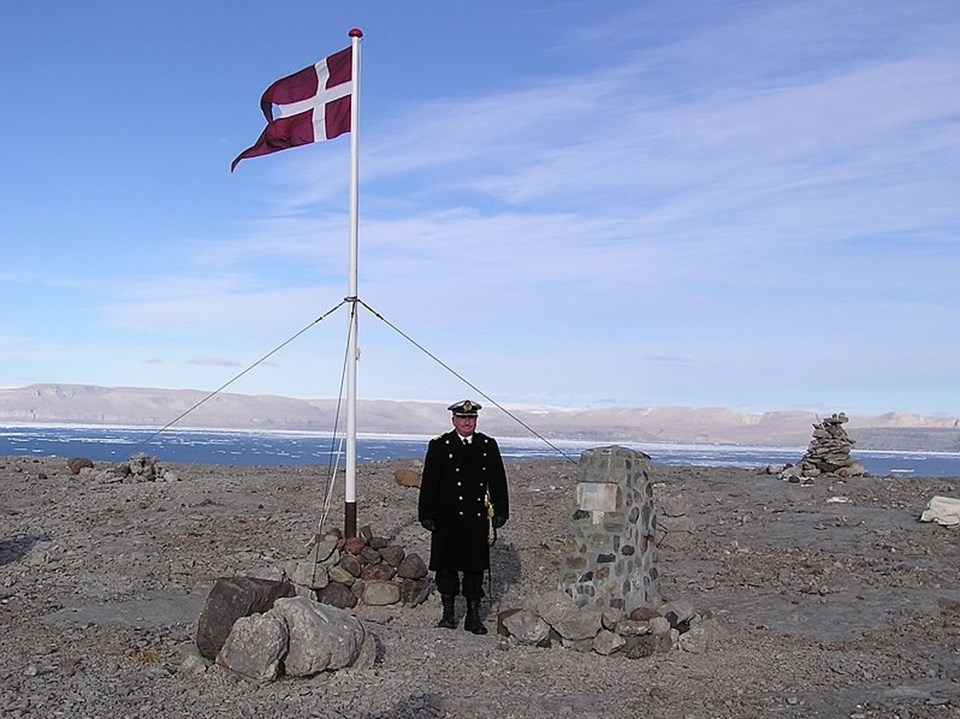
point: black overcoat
(456, 477)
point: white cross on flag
(313, 105)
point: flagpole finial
(355, 32)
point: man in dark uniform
(463, 490)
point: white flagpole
(350, 489)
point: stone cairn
(364, 569)
(139, 468)
(827, 454)
(608, 600)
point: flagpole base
(350, 519)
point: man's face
(465, 426)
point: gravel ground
(830, 600)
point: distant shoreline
(87, 405)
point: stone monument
(611, 552)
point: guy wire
(233, 379)
(467, 382)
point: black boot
(472, 623)
(448, 620)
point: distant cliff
(86, 404)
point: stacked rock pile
(139, 468)
(827, 454)
(555, 619)
(367, 569)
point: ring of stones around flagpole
(364, 569)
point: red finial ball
(355, 32)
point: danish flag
(313, 105)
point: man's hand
(428, 524)
(499, 521)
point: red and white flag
(313, 105)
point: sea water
(283, 448)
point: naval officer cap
(466, 408)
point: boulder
(255, 647)
(75, 464)
(556, 606)
(585, 624)
(230, 599)
(525, 626)
(323, 638)
(407, 478)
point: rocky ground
(831, 600)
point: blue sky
(742, 204)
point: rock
(324, 551)
(694, 640)
(659, 625)
(193, 663)
(633, 628)
(354, 545)
(369, 555)
(322, 638)
(338, 595)
(392, 554)
(643, 614)
(350, 564)
(230, 599)
(340, 575)
(380, 593)
(412, 567)
(637, 647)
(75, 464)
(678, 612)
(585, 624)
(610, 618)
(381, 572)
(524, 626)
(255, 646)
(407, 478)
(310, 575)
(556, 606)
(607, 642)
